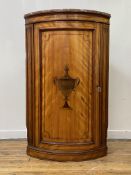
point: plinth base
(66, 156)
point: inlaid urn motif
(66, 85)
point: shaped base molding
(66, 156)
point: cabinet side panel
(104, 81)
(29, 83)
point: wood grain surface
(55, 132)
(14, 161)
(67, 15)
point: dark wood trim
(67, 11)
(66, 156)
(29, 83)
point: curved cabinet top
(67, 15)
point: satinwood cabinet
(67, 58)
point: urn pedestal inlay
(66, 85)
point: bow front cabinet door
(67, 84)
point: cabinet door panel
(54, 49)
(67, 48)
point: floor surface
(14, 161)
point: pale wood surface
(74, 129)
(14, 161)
